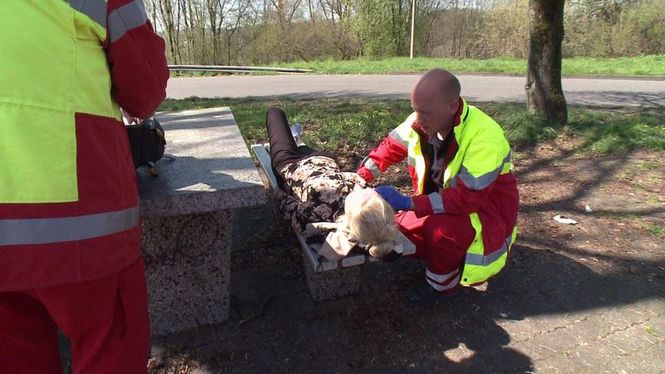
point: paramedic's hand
(395, 198)
(128, 119)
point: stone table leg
(331, 284)
(188, 271)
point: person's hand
(395, 198)
(128, 119)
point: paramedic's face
(434, 111)
(358, 196)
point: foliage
(506, 32)
(259, 32)
(618, 28)
(380, 26)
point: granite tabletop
(206, 167)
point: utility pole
(413, 24)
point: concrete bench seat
(327, 279)
(187, 217)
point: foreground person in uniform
(69, 218)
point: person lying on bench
(314, 193)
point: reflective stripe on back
(95, 9)
(56, 230)
(481, 182)
(125, 18)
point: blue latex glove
(395, 198)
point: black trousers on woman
(283, 148)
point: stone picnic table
(186, 212)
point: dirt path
(574, 298)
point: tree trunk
(543, 87)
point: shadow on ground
(276, 327)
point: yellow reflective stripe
(418, 164)
(57, 230)
(507, 168)
(125, 18)
(447, 180)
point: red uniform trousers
(442, 241)
(106, 321)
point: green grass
(418, 64)
(653, 65)
(609, 132)
(358, 124)
(657, 231)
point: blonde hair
(371, 223)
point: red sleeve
(389, 152)
(136, 58)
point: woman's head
(370, 221)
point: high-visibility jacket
(477, 181)
(68, 195)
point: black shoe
(423, 295)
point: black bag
(146, 141)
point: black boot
(423, 295)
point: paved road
(584, 91)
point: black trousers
(283, 149)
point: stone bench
(187, 217)
(325, 279)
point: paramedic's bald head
(439, 82)
(435, 99)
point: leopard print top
(315, 190)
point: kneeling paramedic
(463, 212)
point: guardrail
(235, 69)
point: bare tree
(543, 86)
(170, 23)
